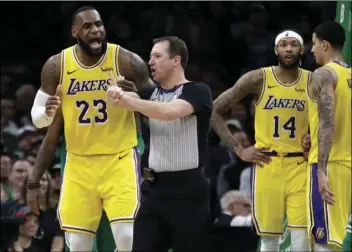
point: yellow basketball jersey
(341, 142)
(92, 126)
(281, 113)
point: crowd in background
(225, 40)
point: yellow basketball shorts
(93, 183)
(326, 223)
(277, 188)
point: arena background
(225, 40)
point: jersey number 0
(99, 105)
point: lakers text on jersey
(88, 117)
(327, 222)
(281, 120)
(101, 169)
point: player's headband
(288, 34)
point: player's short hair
(332, 32)
(177, 47)
(79, 10)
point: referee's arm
(195, 98)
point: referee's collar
(172, 89)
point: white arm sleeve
(39, 118)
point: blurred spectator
(56, 181)
(31, 158)
(229, 175)
(6, 165)
(245, 182)
(26, 233)
(7, 116)
(24, 101)
(26, 137)
(236, 210)
(259, 40)
(50, 237)
(18, 175)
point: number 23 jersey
(92, 126)
(281, 112)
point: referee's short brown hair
(177, 47)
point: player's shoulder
(327, 73)
(127, 55)
(54, 59)
(52, 66)
(130, 63)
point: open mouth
(95, 43)
(289, 57)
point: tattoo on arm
(313, 87)
(134, 69)
(50, 75)
(325, 86)
(47, 149)
(250, 83)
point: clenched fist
(53, 102)
(115, 94)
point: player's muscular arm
(324, 83)
(50, 75)
(134, 69)
(250, 83)
(47, 149)
(46, 102)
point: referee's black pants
(174, 213)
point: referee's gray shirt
(180, 144)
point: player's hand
(306, 142)
(254, 155)
(326, 194)
(127, 86)
(53, 102)
(114, 93)
(33, 198)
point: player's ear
(325, 45)
(275, 49)
(302, 50)
(74, 32)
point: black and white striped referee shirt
(180, 144)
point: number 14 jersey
(281, 112)
(92, 126)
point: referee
(174, 210)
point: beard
(295, 63)
(86, 48)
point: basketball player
(330, 130)
(281, 120)
(100, 171)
